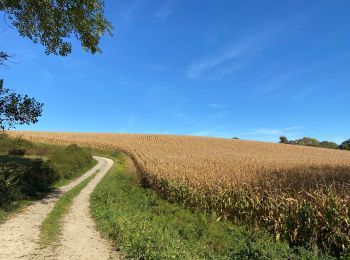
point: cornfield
(300, 194)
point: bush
(307, 141)
(69, 162)
(327, 144)
(283, 140)
(345, 145)
(8, 144)
(15, 151)
(23, 177)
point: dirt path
(20, 234)
(80, 240)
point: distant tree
(235, 138)
(327, 144)
(17, 109)
(283, 140)
(345, 145)
(307, 141)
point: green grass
(63, 181)
(51, 226)
(8, 143)
(69, 161)
(145, 226)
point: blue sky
(251, 69)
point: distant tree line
(308, 141)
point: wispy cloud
(230, 58)
(131, 121)
(165, 10)
(242, 51)
(128, 11)
(288, 72)
(270, 134)
(217, 105)
(263, 134)
(304, 93)
(270, 131)
(177, 112)
(214, 131)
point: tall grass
(69, 162)
(9, 145)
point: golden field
(299, 193)
(218, 163)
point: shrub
(15, 151)
(283, 140)
(69, 162)
(10, 145)
(327, 144)
(14, 146)
(307, 141)
(345, 145)
(23, 177)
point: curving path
(19, 236)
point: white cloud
(267, 131)
(128, 12)
(242, 52)
(271, 131)
(284, 74)
(270, 134)
(197, 68)
(262, 134)
(216, 105)
(165, 10)
(212, 132)
(229, 59)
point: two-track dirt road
(19, 236)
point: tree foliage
(308, 141)
(3, 58)
(17, 109)
(327, 144)
(52, 22)
(283, 140)
(345, 145)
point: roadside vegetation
(51, 227)
(70, 162)
(28, 171)
(144, 226)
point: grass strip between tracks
(51, 227)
